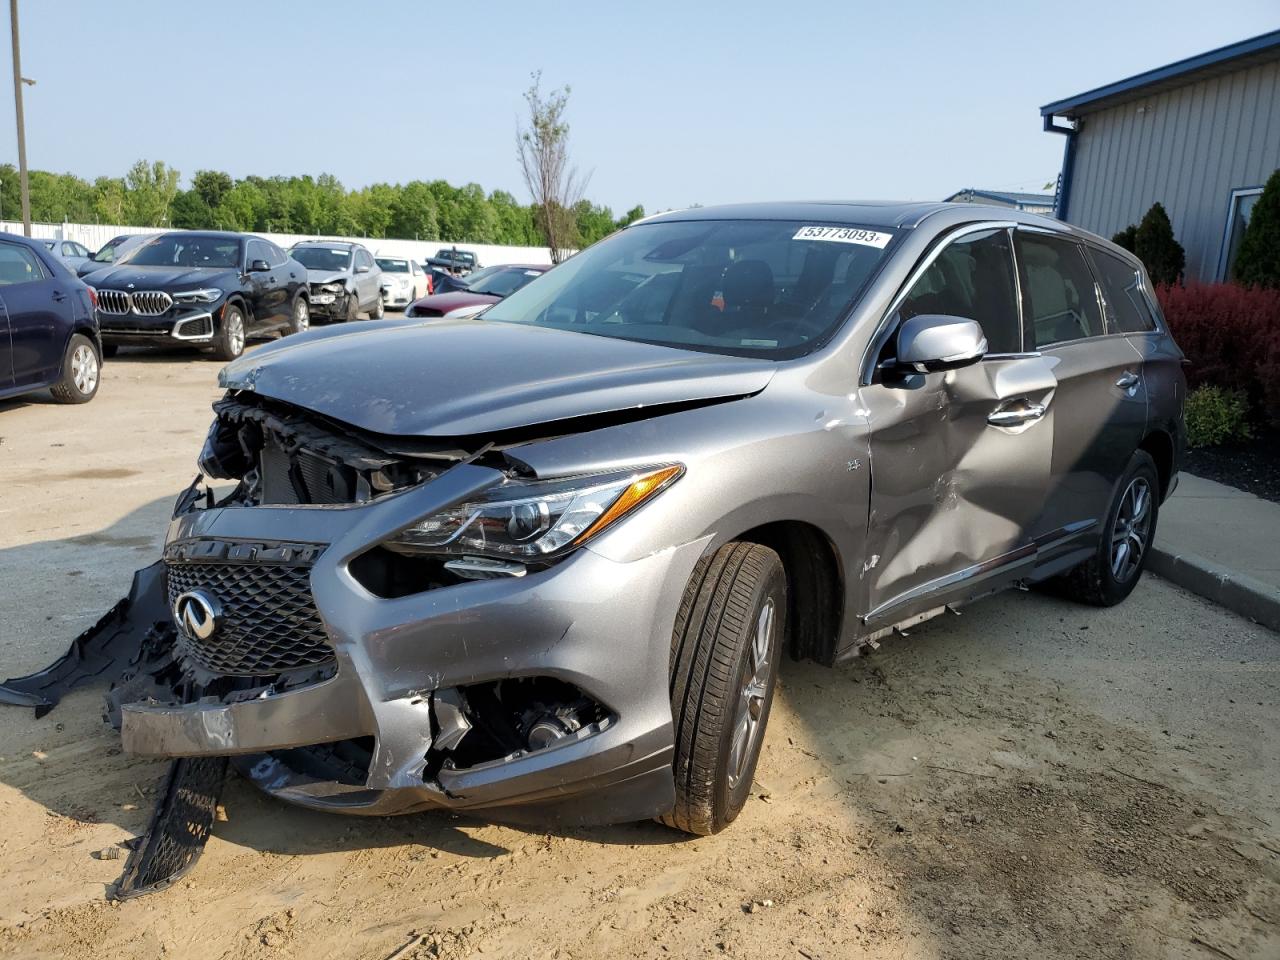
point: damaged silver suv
(542, 565)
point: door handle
(1014, 413)
(1128, 382)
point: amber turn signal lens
(641, 489)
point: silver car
(345, 279)
(543, 565)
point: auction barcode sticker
(868, 238)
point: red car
(483, 288)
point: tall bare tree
(554, 183)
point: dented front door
(959, 469)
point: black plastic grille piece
(269, 620)
(180, 827)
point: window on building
(1058, 296)
(972, 278)
(1238, 213)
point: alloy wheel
(235, 332)
(84, 369)
(301, 316)
(753, 689)
(1132, 530)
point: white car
(403, 281)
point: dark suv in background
(48, 326)
(202, 289)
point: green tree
(190, 212)
(631, 216)
(413, 213)
(1155, 245)
(211, 186)
(149, 191)
(1258, 259)
(108, 200)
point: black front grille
(269, 620)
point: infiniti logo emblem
(199, 614)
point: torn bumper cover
(501, 695)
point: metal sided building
(1200, 136)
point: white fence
(94, 235)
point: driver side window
(972, 278)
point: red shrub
(1231, 335)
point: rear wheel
(229, 343)
(1114, 570)
(725, 649)
(81, 372)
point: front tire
(379, 309)
(353, 307)
(229, 343)
(725, 648)
(1110, 575)
(81, 372)
(300, 322)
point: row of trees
(149, 196)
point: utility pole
(18, 81)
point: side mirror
(258, 266)
(361, 268)
(935, 341)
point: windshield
(456, 256)
(322, 258)
(765, 288)
(188, 250)
(500, 281)
(393, 266)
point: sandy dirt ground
(1030, 779)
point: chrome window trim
(885, 325)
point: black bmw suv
(210, 290)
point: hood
(444, 302)
(467, 377)
(158, 278)
(327, 276)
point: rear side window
(18, 265)
(1127, 308)
(1059, 300)
(972, 278)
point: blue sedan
(48, 325)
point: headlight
(203, 295)
(536, 520)
(331, 287)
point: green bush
(1258, 260)
(1216, 415)
(1127, 237)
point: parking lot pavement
(1032, 778)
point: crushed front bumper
(329, 306)
(601, 625)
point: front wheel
(81, 371)
(725, 649)
(229, 342)
(379, 309)
(1114, 570)
(353, 306)
(301, 319)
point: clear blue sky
(673, 102)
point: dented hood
(469, 377)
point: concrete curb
(1237, 592)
